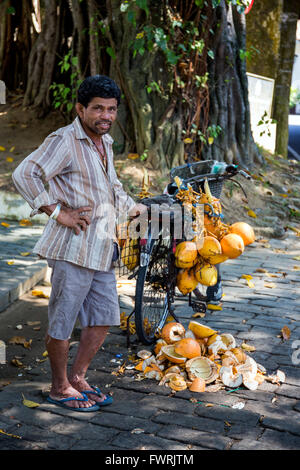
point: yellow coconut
(188, 347)
(232, 245)
(186, 281)
(172, 332)
(244, 230)
(200, 330)
(217, 259)
(206, 274)
(211, 247)
(130, 254)
(170, 353)
(186, 254)
(198, 385)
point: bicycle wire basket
(203, 168)
(129, 251)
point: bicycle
(156, 271)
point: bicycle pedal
(198, 306)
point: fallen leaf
(227, 424)
(20, 340)
(250, 284)
(16, 362)
(25, 222)
(261, 270)
(297, 258)
(25, 253)
(247, 347)
(247, 276)
(251, 213)
(133, 156)
(2, 149)
(209, 405)
(5, 224)
(270, 285)
(9, 159)
(29, 403)
(285, 332)
(296, 268)
(12, 149)
(10, 435)
(214, 307)
(10, 263)
(33, 323)
(198, 315)
(39, 293)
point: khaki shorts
(80, 293)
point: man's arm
(39, 167)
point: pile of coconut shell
(201, 359)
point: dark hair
(98, 86)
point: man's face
(99, 115)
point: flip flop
(96, 391)
(62, 402)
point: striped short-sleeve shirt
(67, 168)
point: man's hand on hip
(72, 218)
(138, 209)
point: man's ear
(79, 108)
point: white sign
(2, 93)
(260, 94)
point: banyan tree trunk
(229, 105)
(42, 60)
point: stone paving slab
(147, 416)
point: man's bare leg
(61, 387)
(90, 341)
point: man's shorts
(80, 293)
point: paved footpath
(147, 416)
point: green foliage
(265, 122)
(294, 97)
(64, 95)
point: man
(83, 195)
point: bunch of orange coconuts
(195, 357)
(217, 243)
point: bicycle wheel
(152, 299)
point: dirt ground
(273, 195)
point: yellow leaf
(214, 307)
(210, 140)
(2, 149)
(270, 285)
(9, 434)
(39, 293)
(251, 213)
(247, 276)
(12, 149)
(25, 222)
(5, 224)
(250, 284)
(286, 332)
(208, 405)
(10, 262)
(9, 159)
(29, 403)
(133, 156)
(45, 354)
(25, 253)
(198, 315)
(283, 195)
(16, 362)
(140, 35)
(247, 347)
(188, 140)
(297, 258)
